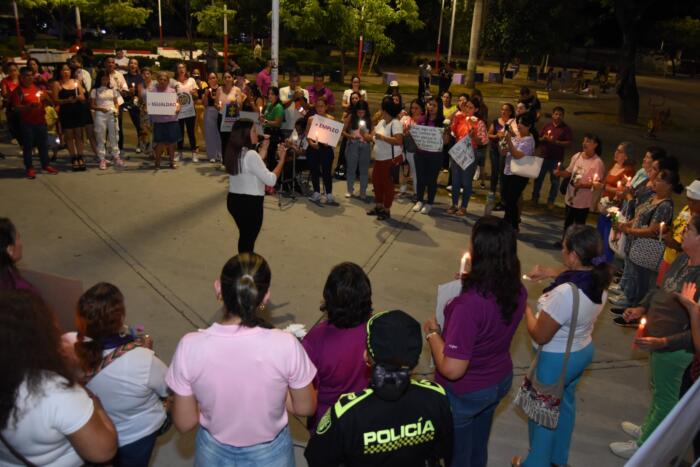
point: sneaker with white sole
(212, 161)
(119, 162)
(349, 194)
(315, 197)
(624, 449)
(417, 207)
(103, 164)
(329, 199)
(426, 209)
(477, 173)
(635, 431)
(178, 156)
(194, 157)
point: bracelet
(430, 334)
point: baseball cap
(693, 190)
(394, 339)
(394, 84)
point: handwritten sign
(186, 105)
(427, 138)
(463, 153)
(230, 115)
(252, 117)
(161, 103)
(326, 131)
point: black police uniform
(362, 429)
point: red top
(8, 84)
(613, 179)
(28, 96)
(462, 126)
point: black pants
(321, 164)
(513, 187)
(188, 122)
(135, 115)
(224, 141)
(496, 167)
(247, 212)
(14, 124)
(275, 139)
(574, 216)
(427, 170)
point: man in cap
(396, 421)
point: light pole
(359, 50)
(160, 23)
(78, 26)
(225, 39)
(437, 50)
(19, 34)
(452, 31)
(275, 46)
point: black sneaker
(620, 321)
(617, 311)
(383, 215)
(374, 211)
(499, 207)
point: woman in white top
(585, 266)
(184, 83)
(248, 177)
(388, 147)
(122, 370)
(46, 418)
(354, 87)
(104, 101)
(516, 146)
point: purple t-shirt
(338, 355)
(474, 331)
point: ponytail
(586, 242)
(245, 280)
(389, 384)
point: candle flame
(642, 323)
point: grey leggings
(357, 153)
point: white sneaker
(348, 195)
(417, 207)
(624, 449)
(426, 209)
(635, 431)
(138, 149)
(403, 189)
(119, 162)
(178, 156)
(212, 161)
(194, 157)
(477, 173)
(449, 188)
(329, 199)
(315, 197)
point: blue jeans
(463, 179)
(210, 453)
(138, 453)
(357, 154)
(604, 226)
(636, 281)
(34, 136)
(547, 446)
(472, 415)
(548, 166)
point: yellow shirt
(679, 225)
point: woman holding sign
(357, 131)
(516, 146)
(211, 119)
(248, 177)
(166, 130)
(186, 85)
(320, 156)
(428, 163)
(465, 123)
(226, 95)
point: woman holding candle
(667, 338)
(472, 352)
(104, 101)
(585, 266)
(272, 118)
(354, 88)
(166, 130)
(68, 94)
(211, 119)
(613, 187)
(358, 132)
(184, 83)
(497, 133)
(585, 169)
(416, 110)
(146, 133)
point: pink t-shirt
(240, 377)
(585, 170)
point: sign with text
(463, 153)
(427, 138)
(326, 131)
(230, 115)
(186, 105)
(252, 117)
(161, 103)
(61, 294)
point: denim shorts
(211, 453)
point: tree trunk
(628, 13)
(342, 65)
(474, 41)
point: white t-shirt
(348, 92)
(45, 419)
(558, 304)
(130, 389)
(117, 81)
(253, 176)
(287, 94)
(187, 86)
(122, 62)
(104, 98)
(382, 149)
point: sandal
(74, 163)
(516, 461)
(461, 212)
(81, 164)
(452, 210)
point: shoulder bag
(541, 402)
(647, 252)
(527, 166)
(395, 160)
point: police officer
(396, 421)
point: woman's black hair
(439, 116)
(669, 163)
(347, 296)
(245, 280)
(101, 73)
(528, 119)
(274, 90)
(510, 107)
(355, 119)
(672, 178)
(599, 143)
(656, 152)
(57, 71)
(8, 237)
(495, 265)
(420, 103)
(585, 241)
(389, 107)
(238, 139)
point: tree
(341, 22)
(117, 14)
(680, 35)
(58, 9)
(474, 41)
(210, 18)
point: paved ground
(163, 237)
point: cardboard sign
(230, 115)
(160, 103)
(445, 293)
(463, 153)
(252, 117)
(326, 131)
(427, 138)
(61, 294)
(186, 105)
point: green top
(273, 112)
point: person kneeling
(396, 421)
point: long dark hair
(245, 280)
(585, 241)
(599, 143)
(238, 139)
(101, 313)
(439, 116)
(8, 237)
(101, 73)
(30, 346)
(355, 120)
(495, 265)
(347, 296)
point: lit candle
(466, 258)
(661, 230)
(558, 166)
(526, 277)
(640, 331)
(595, 180)
(362, 124)
(260, 108)
(619, 185)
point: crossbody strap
(112, 356)
(16, 453)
